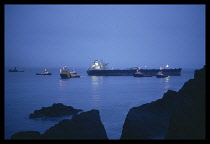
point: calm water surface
(113, 96)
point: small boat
(161, 75)
(44, 73)
(65, 73)
(140, 74)
(15, 70)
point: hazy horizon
(122, 35)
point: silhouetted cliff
(188, 119)
(178, 115)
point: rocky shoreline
(177, 115)
(149, 120)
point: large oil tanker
(101, 69)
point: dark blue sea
(113, 96)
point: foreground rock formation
(56, 110)
(149, 120)
(178, 115)
(26, 135)
(86, 125)
(188, 119)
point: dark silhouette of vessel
(14, 69)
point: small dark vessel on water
(140, 74)
(101, 69)
(65, 73)
(15, 70)
(161, 75)
(44, 73)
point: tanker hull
(153, 72)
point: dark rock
(188, 120)
(149, 120)
(86, 125)
(26, 135)
(177, 115)
(200, 74)
(55, 110)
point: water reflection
(165, 82)
(96, 82)
(63, 82)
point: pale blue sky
(122, 35)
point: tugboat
(44, 73)
(65, 73)
(161, 75)
(15, 70)
(140, 74)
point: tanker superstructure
(101, 69)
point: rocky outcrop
(177, 115)
(149, 120)
(86, 125)
(26, 135)
(188, 119)
(56, 110)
